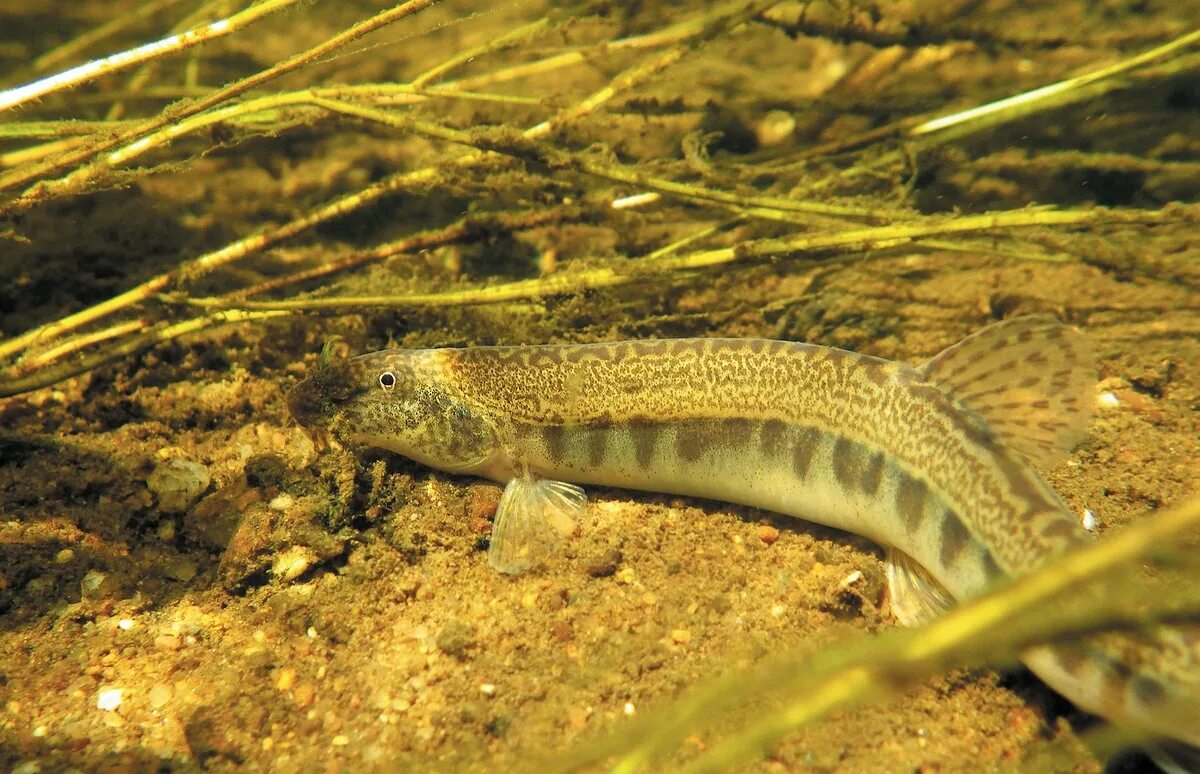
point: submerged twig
(122, 60)
(664, 267)
(155, 335)
(1050, 96)
(702, 29)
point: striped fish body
(848, 440)
(933, 462)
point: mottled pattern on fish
(679, 405)
(933, 461)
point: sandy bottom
(311, 610)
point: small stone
(767, 534)
(577, 718)
(455, 638)
(285, 679)
(776, 127)
(166, 530)
(605, 565)
(178, 483)
(281, 502)
(851, 579)
(159, 696)
(214, 520)
(108, 699)
(487, 689)
(293, 562)
(681, 636)
(562, 631)
(180, 569)
(341, 740)
(99, 585)
(125, 624)
(167, 642)
(65, 556)
(304, 694)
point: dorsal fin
(1031, 379)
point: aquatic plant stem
(950, 638)
(990, 629)
(122, 60)
(155, 335)
(93, 36)
(75, 181)
(814, 245)
(709, 23)
(1049, 96)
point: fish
(936, 462)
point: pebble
(180, 569)
(293, 562)
(341, 740)
(167, 642)
(285, 679)
(159, 696)
(776, 126)
(455, 638)
(108, 699)
(605, 565)
(98, 585)
(767, 534)
(681, 636)
(304, 694)
(281, 502)
(65, 556)
(178, 483)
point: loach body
(933, 462)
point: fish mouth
(317, 399)
(307, 406)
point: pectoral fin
(916, 597)
(534, 517)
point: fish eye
(387, 380)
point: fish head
(395, 399)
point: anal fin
(534, 517)
(916, 597)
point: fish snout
(307, 405)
